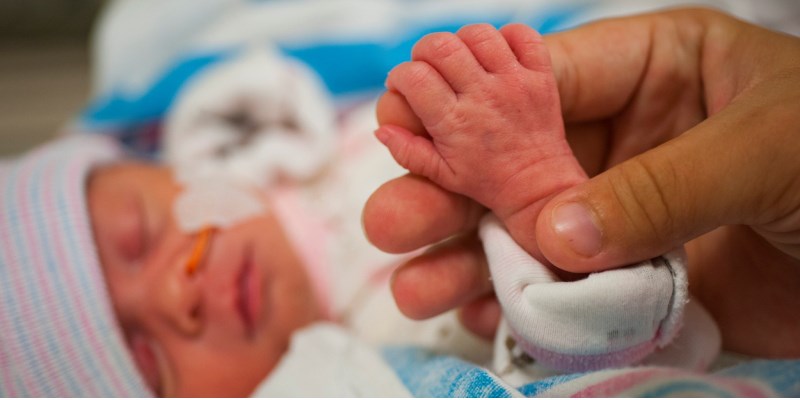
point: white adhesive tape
(216, 203)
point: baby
(98, 298)
(214, 331)
(489, 102)
(105, 293)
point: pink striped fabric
(58, 334)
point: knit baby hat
(58, 334)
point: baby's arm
(490, 103)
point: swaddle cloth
(59, 336)
(239, 128)
(326, 360)
(255, 119)
(609, 319)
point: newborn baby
(214, 331)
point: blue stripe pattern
(59, 335)
(427, 374)
(345, 68)
(534, 388)
(783, 376)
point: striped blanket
(427, 374)
(345, 365)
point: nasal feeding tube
(199, 250)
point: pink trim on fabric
(626, 380)
(589, 362)
(310, 240)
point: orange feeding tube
(199, 249)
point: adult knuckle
(642, 190)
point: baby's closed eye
(129, 232)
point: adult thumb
(720, 172)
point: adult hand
(689, 120)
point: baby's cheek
(146, 361)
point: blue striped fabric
(428, 374)
(345, 67)
(58, 335)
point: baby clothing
(323, 219)
(609, 319)
(58, 333)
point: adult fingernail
(574, 224)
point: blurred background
(44, 67)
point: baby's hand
(489, 101)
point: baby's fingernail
(575, 225)
(382, 135)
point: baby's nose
(180, 295)
(179, 300)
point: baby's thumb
(654, 202)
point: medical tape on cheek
(202, 209)
(215, 204)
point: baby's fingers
(447, 277)
(415, 153)
(427, 92)
(528, 45)
(393, 109)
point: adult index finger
(411, 212)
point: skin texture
(186, 332)
(490, 107)
(686, 123)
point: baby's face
(217, 332)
